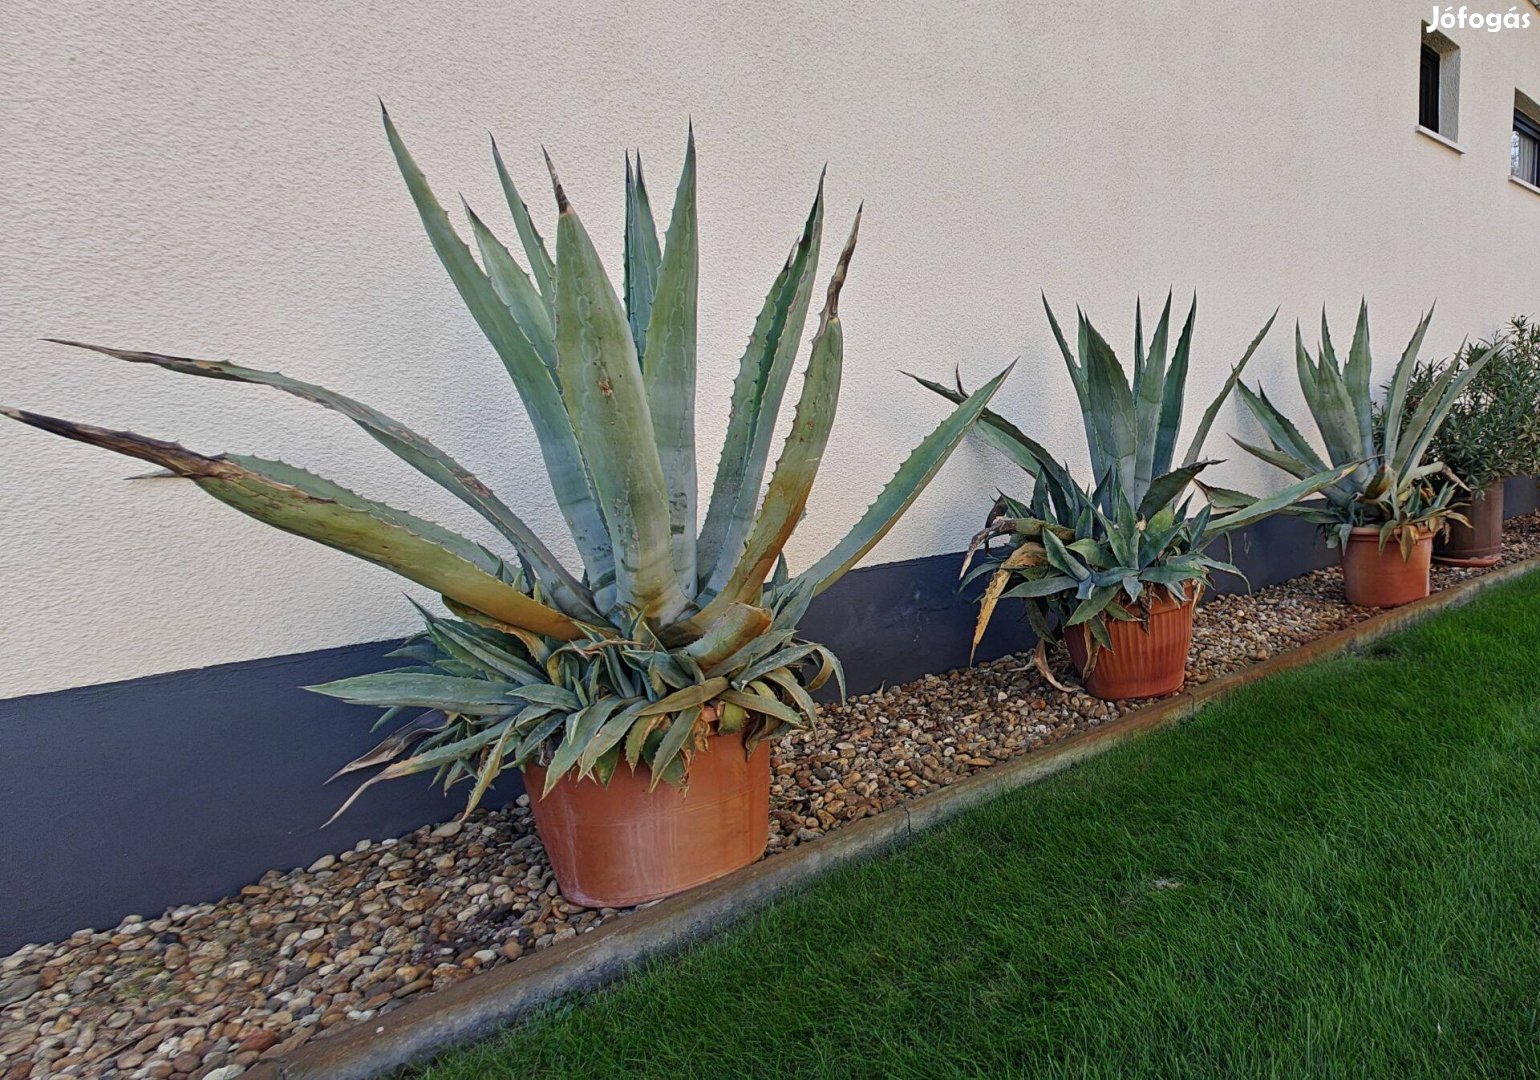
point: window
(1526, 140)
(1427, 98)
(1438, 86)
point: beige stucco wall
(210, 179)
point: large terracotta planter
(1141, 663)
(1480, 543)
(618, 844)
(1382, 578)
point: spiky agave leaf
(532, 377)
(307, 505)
(905, 486)
(406, 444)
(601, 382)
(757, 391)
(668, 367)
(792, 481)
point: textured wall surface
(210, 179)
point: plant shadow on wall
(1384, 512)
(1117, 568)
(673, 657)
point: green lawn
(1336, 873)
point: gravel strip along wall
(208, 990)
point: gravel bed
(204, 990)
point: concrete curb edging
(480, 1005)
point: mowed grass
(1336, 873)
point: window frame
(1529, 127)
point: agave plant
(1387, 483)
(669, 633)
(1083, 555)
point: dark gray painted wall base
(135, 796)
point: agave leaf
(1061, 560)
(668, 364)
(491, 766)
(1113, 410)
(642, 255)
(1262, 508)
(540, 264)
(531, 377)
(907, 483)
(735, 628)
(1287, 462)
(1285, 436)
(687, 698)
(407, 445)
(420, 727)
(1028, 554)
(1174, 392)
(1078, 378)
(1168, 487)
(1091, 608)
(1201, 435)
(582, 726)
(1395, 395)
(792, 481)
(1357, 375)
(1149, 393)
(1335, 415)
(993, 428)
(763, 704)
(514, 288)
(757, 391)
(307, 505)
(1037, 588)
(673, 744)
(446, 754)
(795, 691)
(602, 384)
(1428, 418)
(470, 697)
(608, 736)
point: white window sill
(1525, 184)
(1441, 140)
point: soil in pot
(1375, 577)
(618, 844)
(1480, 543)
(1142, 662)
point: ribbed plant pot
(618, 844)
(1141, 663)
(1480, 543)
(1372, 577)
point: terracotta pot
(1481, 543)
(1142, 663)
(618, 844)
(1375, 578)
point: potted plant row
(638, 693)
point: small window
(1526, 140)
(1427, 99)
(1438, 85)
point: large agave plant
(1083, 555)
(669, 632)
(1386, 484)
